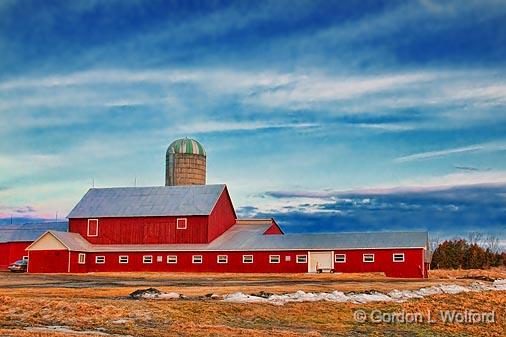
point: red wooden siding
(383, 262)
(143, 230)
(222, 217)
(11, 252)
(48, 261)
(273, 230)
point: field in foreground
(98, 305)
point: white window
(99, 259)
(159, 259)
(147, 259)
(398, 257)
(301, 258)
(197, 259)
(222, 259)
(288, 258)
(247, 259)
(25, 257)
(123, 259)
(81, 258)
(274, 258)
(92, 227)
(368, 258)
(172, 259)
(181, 223)
(340, 258)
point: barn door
(323, 260)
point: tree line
(479, 251)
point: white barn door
(323, 260)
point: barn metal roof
(148, 201)
(251, 238)
(29, 231)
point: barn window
(274, 258)
(222, 259)
(301, 258)
(159, 258)
(288, 258)
(99, 259)
(172, 259)
(398, 257)
(92, 227)
(197, 259)
(368, 257)
(181, 223)
(25, 257)
(81, 258)
(147, 259)
(247, 259)
(340, 258)
(123, 259)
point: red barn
(15, 238)
(195, 229)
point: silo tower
(185, 163)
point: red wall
(410, 268)
(48, 261)
(143, 230)
(222, 217)
(273, 230)
(11, 252)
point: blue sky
(331, 115)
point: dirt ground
(98, 305)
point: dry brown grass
(89, 308)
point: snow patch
(392, 296)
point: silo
(185, 163)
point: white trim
(274, 256)
(83, 255)
(246, 256)
(222, 256)
(368, 255)
(99, 256)
(28, 264)
(185, 223)
(54, 236)
(197, 256)
(399, 254)
(297, 258)
(228, 250)
(123, 257)
(68, 266)
(340, 254)
(145, 259)
(169, 257)
(88, 228)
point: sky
(327, 115)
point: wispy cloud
(489, 147)
(225, 126)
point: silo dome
(186, 146)
(185, 163)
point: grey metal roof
(148, 201)
(29, 231)
(251, 238)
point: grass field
(98, 305)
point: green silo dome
(186, 146)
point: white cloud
(485, 147)
(216, 126)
